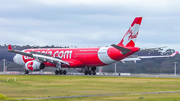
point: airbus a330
(83, 59)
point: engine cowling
(34, 66)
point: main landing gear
(26, 72)
(61, 72)
(90, 72)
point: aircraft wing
(152, 48)
(138, 58)
(38, 56)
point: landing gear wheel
(60, 72)
(93, 68)
(56, 72)
(26, 72)
(86, 72)
(64, 72)
(89, 72)
(94, 72)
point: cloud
(88, 23)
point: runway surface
(99, 95)
(112, 75)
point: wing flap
(50, 59)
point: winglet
(173, 54)
(9, 47)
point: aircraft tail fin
(129, 38)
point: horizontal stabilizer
(122, 49)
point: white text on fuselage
(59, 54)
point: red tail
(9, 47)
(129, 38)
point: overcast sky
(88, 23)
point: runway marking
(99, 95)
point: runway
(143, 93)
(106, 74)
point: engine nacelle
(80, 70)
(34, 66)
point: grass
(2, 97)
(33, 86)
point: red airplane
(83, 59)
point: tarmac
(143, 93)
(99, 74)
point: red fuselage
(80, 57)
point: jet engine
(34, 66)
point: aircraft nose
(18, 59)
